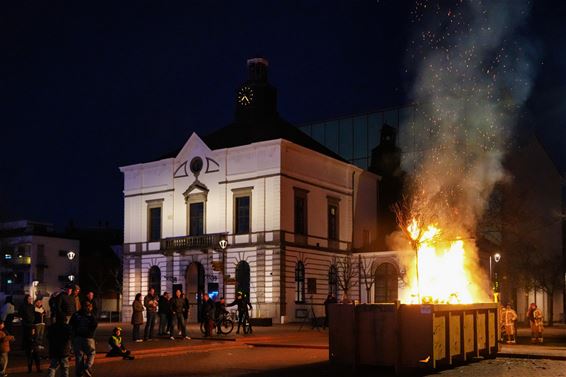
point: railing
(204, 241)
(211, 241)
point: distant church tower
(386, 162)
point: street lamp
(71, 277)
(493, 273)
(71, 254)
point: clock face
(245, 95)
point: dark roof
(241, 134)
(238, 134)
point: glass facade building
(354, 137)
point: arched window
(154, 279)
(386, 283)
(243, 278)
(300, 282)
(333, 281)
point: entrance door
(243, 278)
(194, 277)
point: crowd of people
(172, 312)
(72, 324)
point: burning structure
(473, 187)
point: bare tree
(367, 272)
(347, 274)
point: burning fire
(440, 272)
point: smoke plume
(472, 72)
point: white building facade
(288, 208)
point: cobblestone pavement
(510, 368)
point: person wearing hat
(117, 347)
(243, 313)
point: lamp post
(493, 273)
(223, 244)
(71, 256)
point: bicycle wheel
(226, 326)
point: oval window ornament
(196, 165)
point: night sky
(86, 88)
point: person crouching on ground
(117, 347)
(5, 340)
(59, 340)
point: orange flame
(439, 274)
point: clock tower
(256, 99)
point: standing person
(7, 313)
(219, 312)
(117, 346)
(150, 303)
(27, 314)
(90, 298)
(65, 304)
(59, 340)
(243, 313)
(207, 314)
(165, 314)
(330, 299)
(509, 318)
(5, 340)
(84, 324)
(76, 298)
(53, 304)
(32, 350)
(137, 317)
(185, 307)
(39, 321)
(177, 305)
(535, 318)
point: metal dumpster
(411, 336)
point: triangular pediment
(193, 149)
(197, 187)
(193, 146)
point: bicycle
(247, 325)
(223, 325)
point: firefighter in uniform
(535, 318)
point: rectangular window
(40, 273)
(196, 222)
(301, 213)
(154, 224)
(333, 221)
(154, 215)
(242, 204)
(311, 285)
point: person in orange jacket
(535, 318)
(5, 340)
(509, 318)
